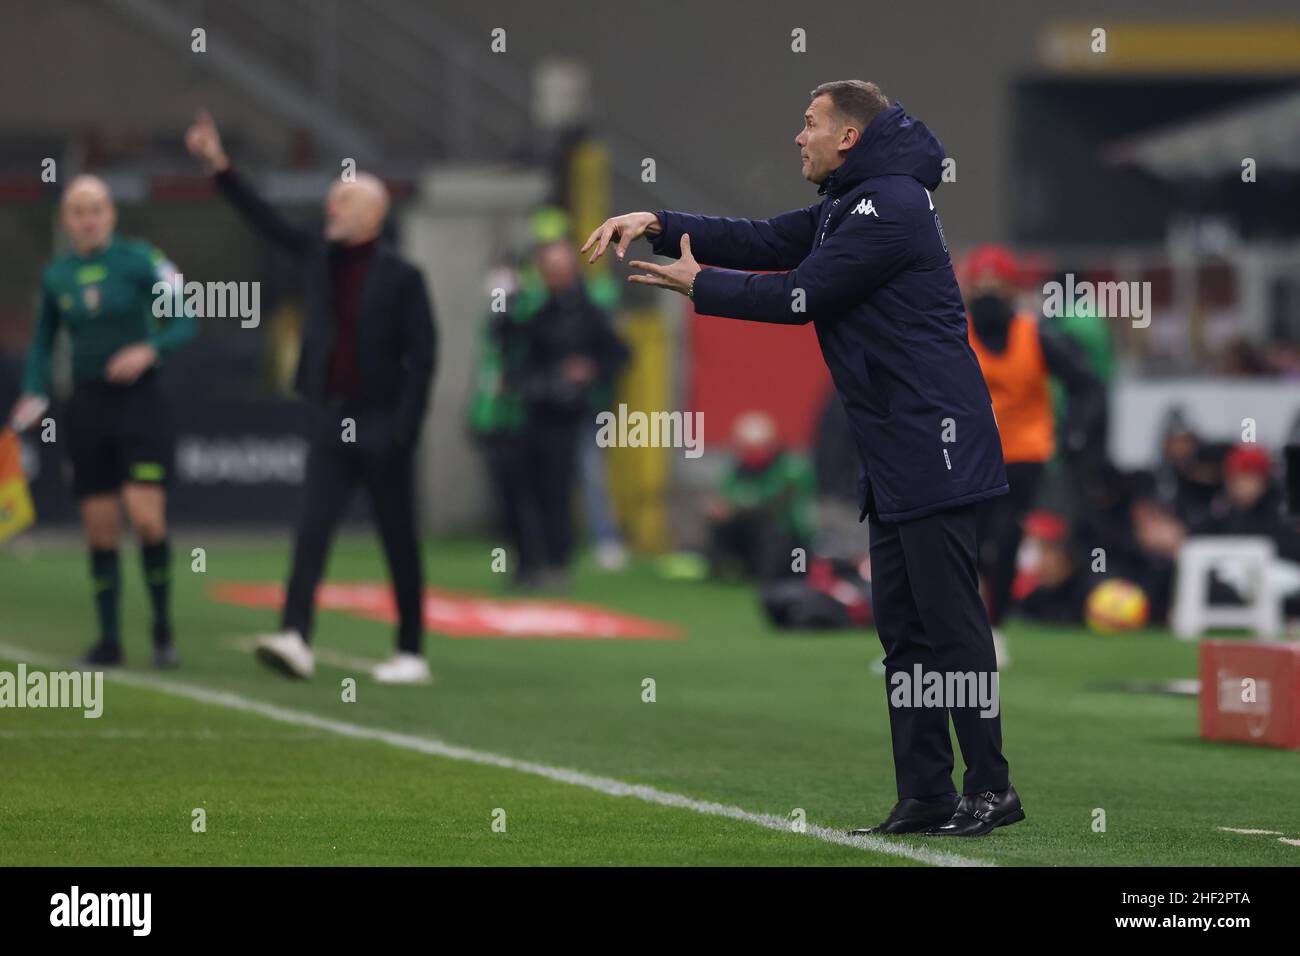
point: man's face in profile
(823, 135)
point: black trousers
(335, 468)
(533, 475)
(1001, 523)
(505, 459)
(547, 491)
(925, 596)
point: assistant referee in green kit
(116, 427)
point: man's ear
(849, 138)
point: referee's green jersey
(106, 302)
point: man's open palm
(678, 276)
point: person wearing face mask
(1018, 355)
(765, 505)
(1251, 503)
(117, 432)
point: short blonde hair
(857, 101)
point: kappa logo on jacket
(866, 207)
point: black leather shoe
(913, 816)
(981, 813)
(103, 654)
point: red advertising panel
(1250, 692)
(739, 366)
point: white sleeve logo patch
(866, 207)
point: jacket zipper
(826, 224)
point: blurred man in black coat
(366, 364)
(568, 349)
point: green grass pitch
(743, 716)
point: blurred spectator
(568, 350)
(553, 224)
(1138, 535)
(539, 365)
(1250, 503)
(765, 505)
(1018, 354)
(1141, 526)
(1060, 579)
(1087, 330)
(496, 416)
(610, 553)
(1090, 334)
(1189, 473)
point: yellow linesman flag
(16, 510)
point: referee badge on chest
(90, 297)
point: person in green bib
(765, 505)
(115, 427)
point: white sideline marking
(1240, 830)
(1288, 841)
(108, 733)
(437, 748)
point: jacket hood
(893, 144)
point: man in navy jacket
(869, 267)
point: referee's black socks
(157, 559)
(107, 583)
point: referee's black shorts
(118, 434)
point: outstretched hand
(204, 143)
(625, 228)
(27, 411)
(678, 276)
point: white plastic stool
(1193, 614)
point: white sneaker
(403, 669)
(611, 556)
(287, 653)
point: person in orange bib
(1018, 355)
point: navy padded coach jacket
(869, 267)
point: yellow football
(1117, 605)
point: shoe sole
(877, 831)
(277, 663)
